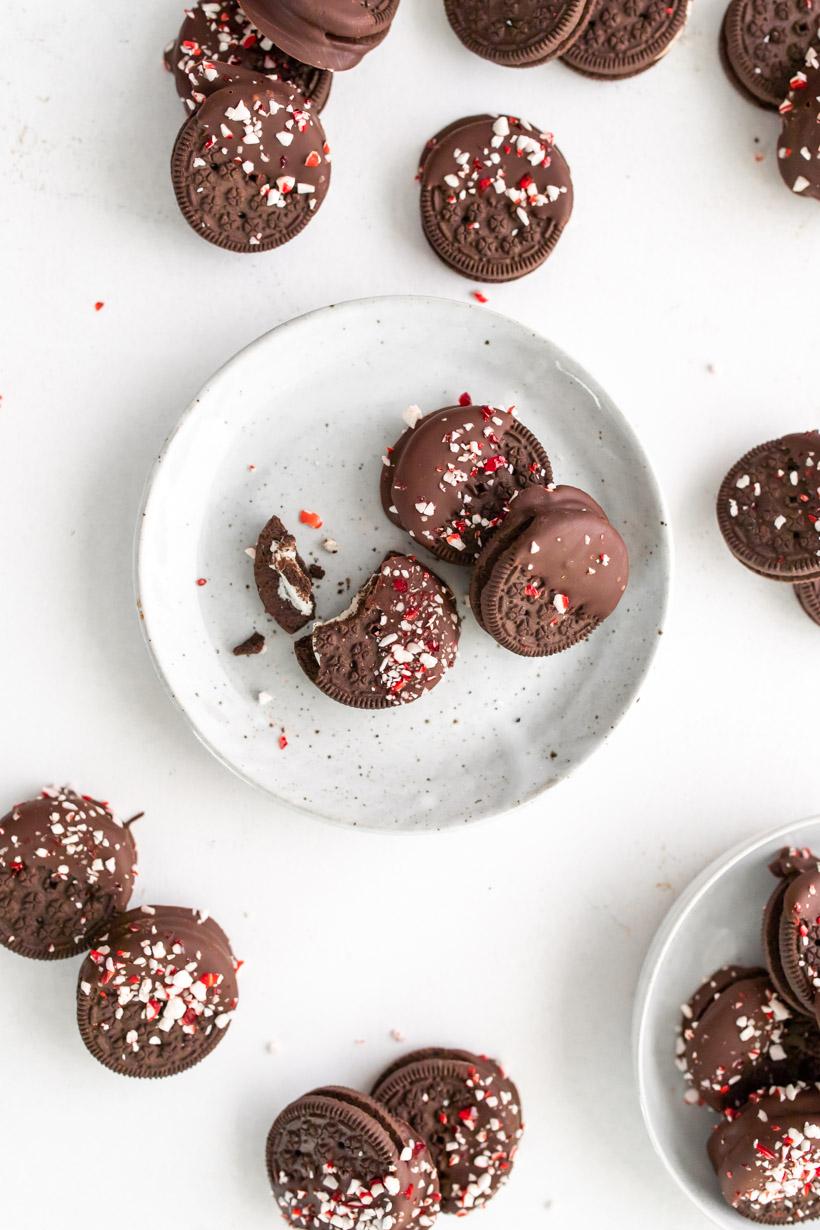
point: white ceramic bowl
(715, 921)
(312, 406)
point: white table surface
(685, 283)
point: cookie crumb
(331, 546)
(254, 644)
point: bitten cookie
(798, 150)
(251, 167)
(529, 32)
(449, 479)
(766, 42)
(767, 1157)
(467, 1110)
(66, 866)
(768, 508)
(396, 641)
(622, 38)
(336, 1157)
(496, 194)
(791, 930)
(213, 36)
(157, 993)
(282, 578)
(329, 34)
(737, 1036)
(551, 573)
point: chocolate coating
(766, 42)
(808, 595)
(738, 1036)
(767, 1158)
(530, 32)
(449, 480)
(798, 150)
(467, 1110)
(336, 1157)
(551, 574)
(282, 578)
(768, 508)
(329, 34)
(496, 195)
(625, 37)
(66, 866)
(394, 643)
(251, 167)
(157, 992)
(214, 36)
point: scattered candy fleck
(465, 400)
(99, 305)
(202, 581)
(264, 698)
(397, 1035)
(331, 546)
(283, 742)
(311, 518)
(479, 296)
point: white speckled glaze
(313, 405)
(715, 921)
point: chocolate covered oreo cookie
(218, 36)
(336, 1157)
(282, 578)
(738, 1036)
(66, 866)
(329, 34)
(788, 864)
(496, 194)
(766, 43)
(767, 1156)
(768, 508)
(808, 595)
(551, 573)
(529, 32)
(791, 930)
(396, 641)
(251, 167)
(449, 479)
(467, 1110)
(157, 992)
(798, 150)
(622, 38)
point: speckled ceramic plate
(300, 419)
(715, 921)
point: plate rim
(667, 568)
(666, 933)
